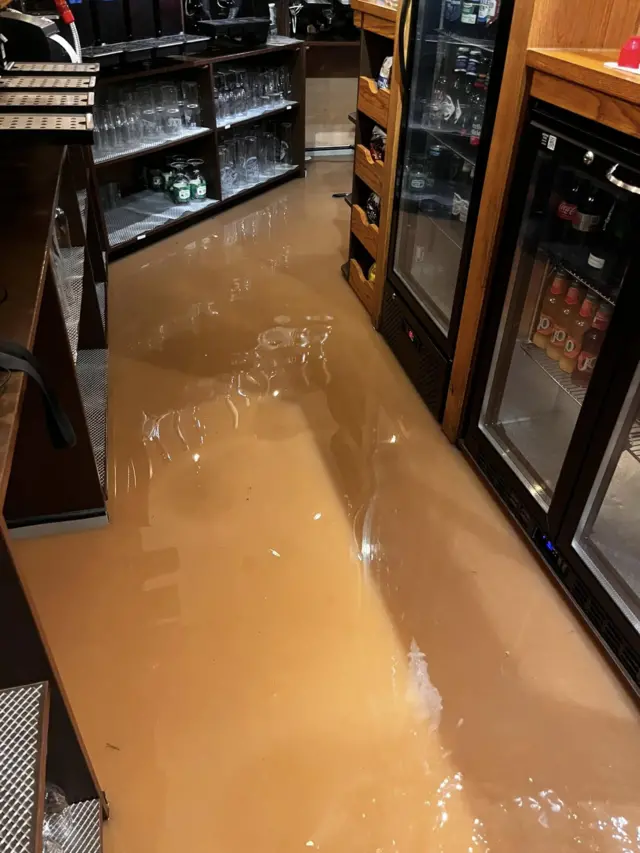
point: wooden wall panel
(583, 23)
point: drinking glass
(238, 147)
(169, 94)
(121, 125)
(150, 128)
(134, 121)
(268, 155)
(190, 92)
(191, 114)
(108, 130)
(172, 121)
(284, 148)
(251, 164)
(226, 170)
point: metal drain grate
(55, 67)
(28, 121)
(91, 369)
(47, 82)
(21, 751)
(81, 100)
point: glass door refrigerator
(553, 420)
(451, 83)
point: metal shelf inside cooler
(22, 732)
(143, 212)
(576, 390)
(457, 38)
(557, 254)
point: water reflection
(328, 637)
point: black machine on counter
(240, 21)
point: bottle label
(201, 191)
(469, 13)
(558, 337)
(483, 12)
(586, 362)
(476, 130)
(595, 262)
(417, 183)
(566, 211)
(545, 325)
(571, 347)
(493, 6)
(585, 221)
(462, 60)
(601, 320)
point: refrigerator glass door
(608, 537)
(444, 119)
(569, 264)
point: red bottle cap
(630, 53)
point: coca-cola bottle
(562, 228)
(587, 218)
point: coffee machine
(241, 22)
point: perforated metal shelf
(62, 128)
(574, 389)
(142, 213)
(91, 370)
(54, 67)
(22, 82)
(144, 147)
(49, 100)
(68, 277)
(22, 752)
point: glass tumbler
(268, 145)
(251, 164)
(172, 121)
(284, 148)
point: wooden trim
(364, 230)
(373, 101)
(506, 133)
(586, 67)
(379, 26)
(620, 115)
(371, 171)
(394, 122)
(360, 285)
(378, 10)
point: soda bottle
(550, 308)
(587, 218)
(581, 326)
(592, 342)
(566, 209)
(564, 321)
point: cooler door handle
(618, 183)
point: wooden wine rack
(368, 242)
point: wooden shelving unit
(142, 216)
(368, 243)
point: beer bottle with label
(550, 309)
(592, 343)
(452, 11)
(563, 322)
(581, 326)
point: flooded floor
(308, 626)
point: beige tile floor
(308, 626)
